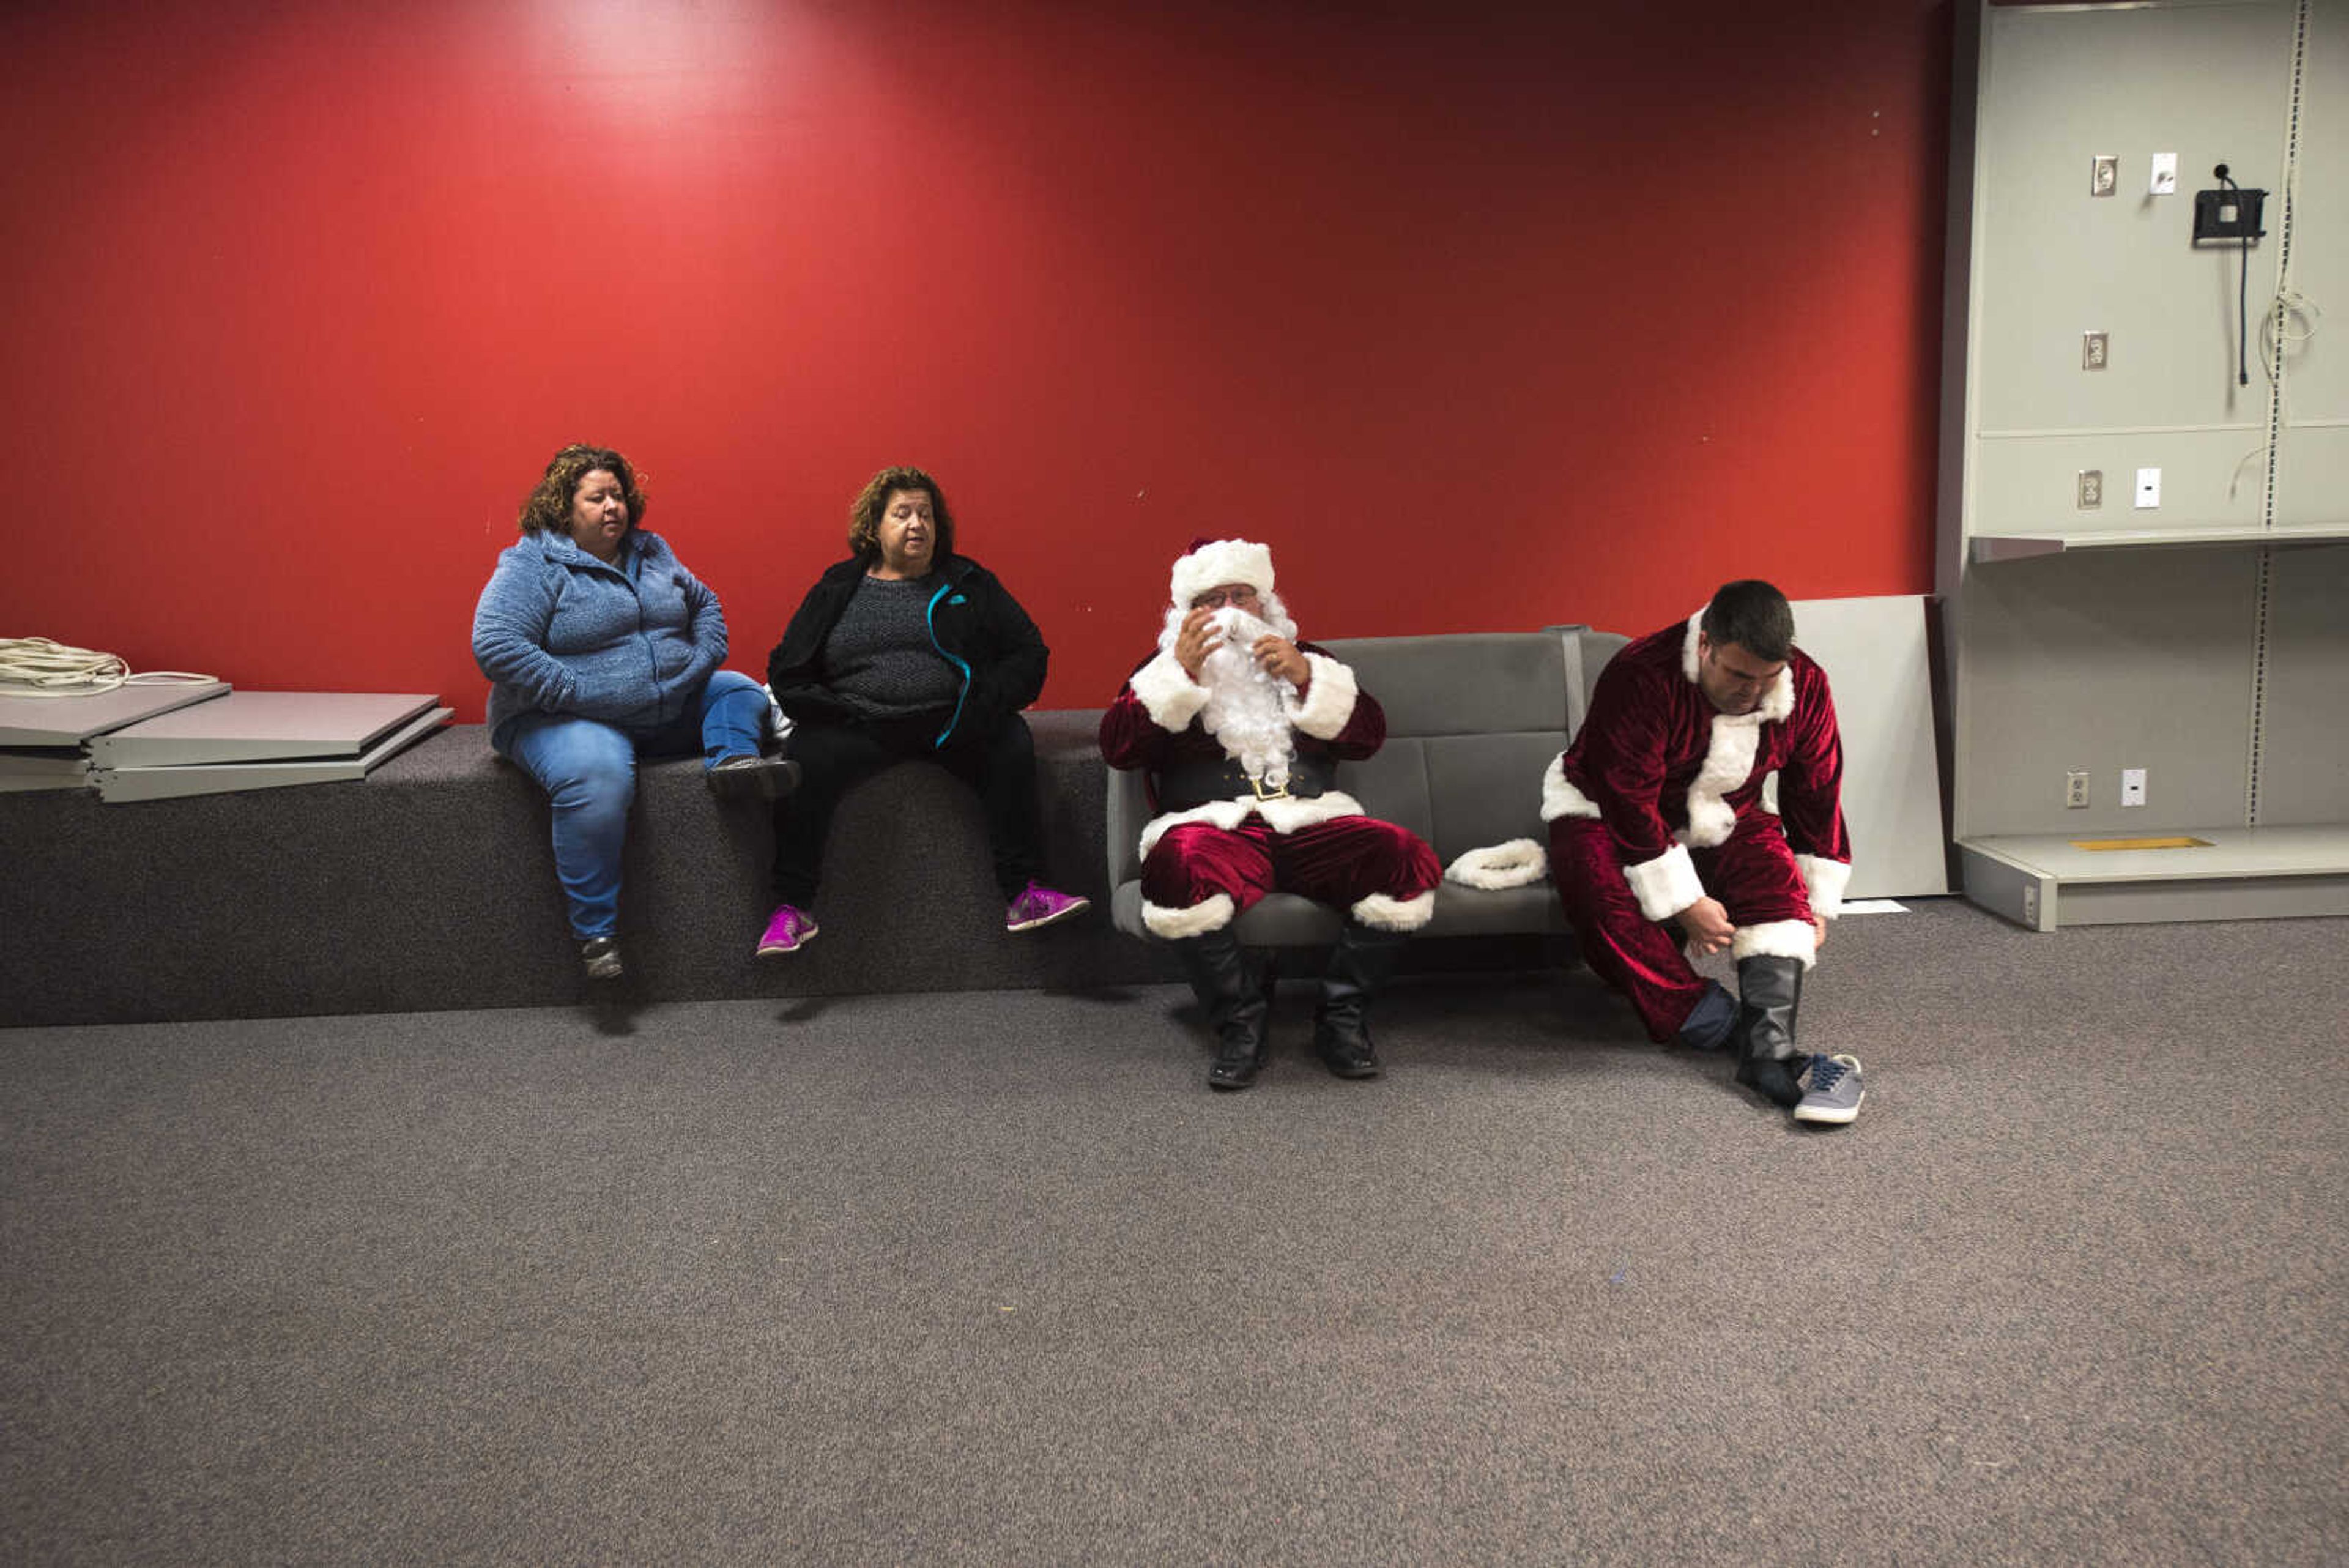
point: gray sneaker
(1831, 1090)
(753, 778)
(601, 957)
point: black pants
(1001, 767)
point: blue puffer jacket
(558, 631)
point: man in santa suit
(1241, 727)
(1660, 841)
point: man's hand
(1196, 641)
(1707, 924)
(1819, 924)
(1277, 656)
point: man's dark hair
(1753, 615)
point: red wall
(1481, 321)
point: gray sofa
(1472, 719)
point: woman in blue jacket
(907, 650)
(603, 647)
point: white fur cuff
(1168, 694)
(1395, 914)
(1519, 863)
(1559, 796)
(1328, 700)
(1825, 880)
(1666, 885)
(1777, 939)
(1213, 915)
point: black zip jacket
(976, 625)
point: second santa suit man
(1240, 728)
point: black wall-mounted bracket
(2229, 216)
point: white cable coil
(36, 667)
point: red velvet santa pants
(1338, 862)
(1753, 875)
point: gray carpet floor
(993, 1278)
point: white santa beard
(1245, 711)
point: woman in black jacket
(907, 650)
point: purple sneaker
(1040, 905)
(787, 932)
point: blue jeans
(588, 769)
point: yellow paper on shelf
(2177, 841)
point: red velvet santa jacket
(1664, 770)
(1155, 724)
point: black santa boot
(1237, 1000)
(1770, 988)
(1359, 965)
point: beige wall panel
(2028, 485)
(2208, 82)
(1874, 653)
(2317, 371)
(2107, 660)
(2312, 474)
(2305, 734)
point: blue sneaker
(1831, 1090)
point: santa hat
(1212, 563)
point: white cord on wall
(35, 666)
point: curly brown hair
(864, 512)
(548, 507)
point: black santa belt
(1187, 785)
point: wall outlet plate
(2132, 786)
(2148, 489)
(2163, 181)
(2090, 494)
(2104, 174)
(2096, 348)
(2075, 789)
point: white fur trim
(1519, 863)
(1212, 914)
(1560, 797)
(1689, 660)
(1221, 561)
(1280, 815)
(1395, 914)
(1328, 701)
(1777, 939)
(1728, 763)
(1824, 879)
(1168, 694)
(1666, 885)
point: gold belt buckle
(1280, 792)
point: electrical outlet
(2095, 351)
(2105, 174)
(2091, 489)
(2076, 788)
(2132, 786)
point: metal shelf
(2045, 880)
(1988, 547)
